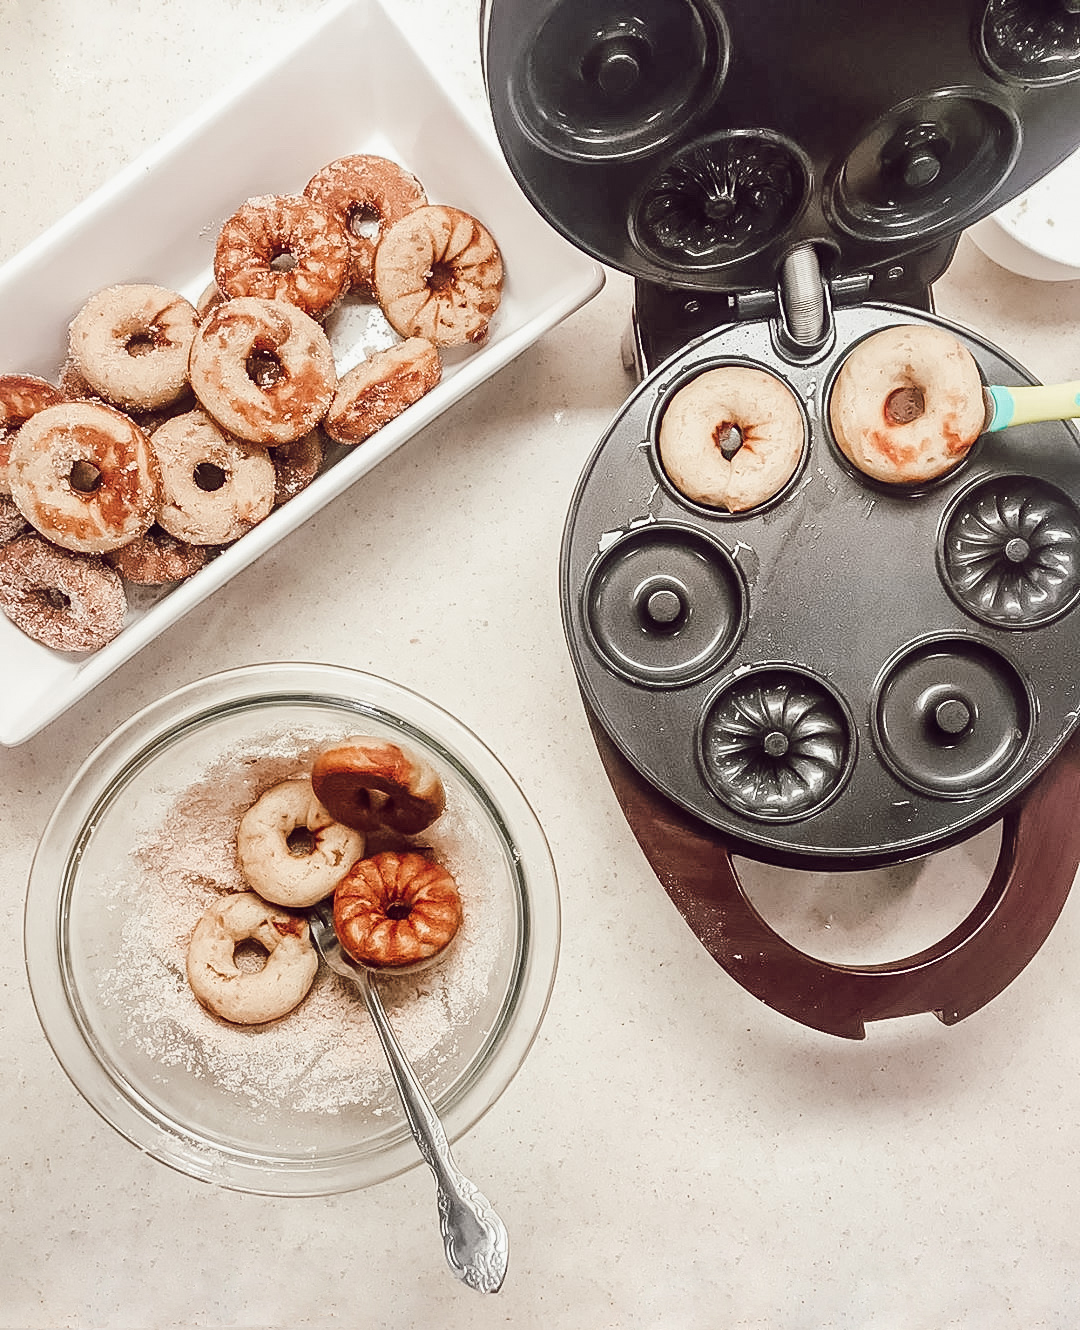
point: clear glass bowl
(139, 845)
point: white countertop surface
(673, 1153)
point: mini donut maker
(850, 675)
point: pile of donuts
(175, 428)
(343, 830)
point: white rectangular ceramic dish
(158, 221)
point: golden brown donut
(396, 910)
(70, 602)
(366, 194)
(21, 396)
(907, 404)
(214, 489)
(250, 997)
(131, 342)
(439, 275)
(263, 370)
(85, 476)
(366, 783)
(156, 559)
(265, 230)
(380, 388)
(732, 437)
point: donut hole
(53, 599)
(363, 221)
(208, 476)
(728, 437)
(250, 956)
(145, 341)
(300, 842)
(903, 405)
(84, 477)
(282, 260)
(264, 368)
(398, 910)
(442, 275)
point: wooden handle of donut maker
(1040, 850)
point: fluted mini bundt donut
(366, 782)
(396, 910)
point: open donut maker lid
(851, 674)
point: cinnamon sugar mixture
(323, 1056)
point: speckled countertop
(673, 1153)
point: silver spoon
(474, 1237)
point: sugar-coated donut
(396, 910)
(290, 850)
(85, 476)
(156, 559)
(366, 783)
(439, 275)
(732, 437)
(242, 996)
(21, 396)
(213, 488)
(380, 388)
(907, 404)
(366, 194)
(263, 370)
(70, 602)
(296, 465)
(131, 343)
(265, 230)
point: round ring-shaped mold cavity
(1031, 41)
(722, 199)
(925, 167)
(664, 605)
(951, 717)
(716, 425)
(1009, 552)
(776, 743)
(611, 80)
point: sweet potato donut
(396, 910)
(732, 437)
(439, 275)
(244, 996)
(85, 476)
(368, 783)
(293, 228)
(131, 343)
(380, 388)
(156, 559)
(21, 396)
(70, 602)
(907, 404)
(263, 370)
(366, 194)
(213, 488)
(290, 850)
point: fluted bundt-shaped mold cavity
(664, 605)
(611, 79)
(952, 717)
(925, 167)
(722, 199)
(776, 744)
(1010, 552)
(1032, 41)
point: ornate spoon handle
(474, 1237)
